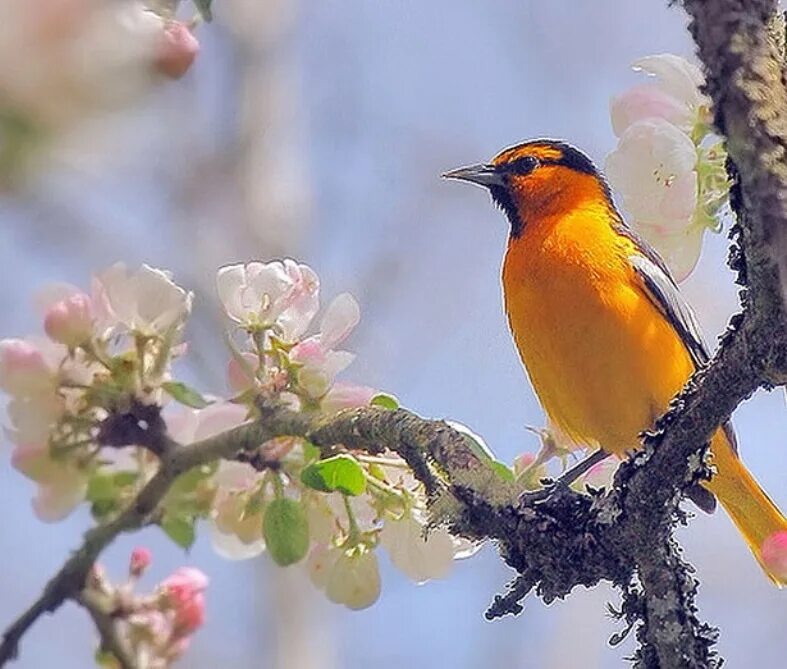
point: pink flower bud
(774, 554)
(70, 321)
(523, 461)
(23, 369)
(177, 50)
(140, 561)
(183, 590)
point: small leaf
(340, 473)
(182, 393)
(503, 471)
(310, 451)
(285, 529)
(385, 401)
(125, 478)
(203, 7)
(180, 530)
(101, 488)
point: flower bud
(774, 554)
(139, 562)
(177, 50)
(183, 591)
(70, 321)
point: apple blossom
(353, 578)
(283, 294)
(653, 169)
(420, 554)
(667, 168)
(183, 592)
(146, 302)
(236, 532)
(139, 561)
(674, 97)
(61, 485)
(177, 49)
(24, 370)
(318, 362)
(344, 395)
(70, 320)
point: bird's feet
(550, 489)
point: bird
(605, 335)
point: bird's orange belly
(602, 359)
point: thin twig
(111, 639)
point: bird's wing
(665, 295)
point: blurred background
(318, 130)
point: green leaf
(385, 401)
(190, 480)
(101, 488)
(340, 473)
(203, 7)
(310, 451)
(182, 393)
(180, 529)
(503, 471)
(285, 529)
(125, 478)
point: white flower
(680, 248)
(319, 363)
(420, 558)
(235, 533)
(24, 369)
(653, 171)
(349, 577)
(61, 485)
(674, 97)
(147, 302)
(281, 294)
(62, 61)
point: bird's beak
(483, 175)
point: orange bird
(604, 333)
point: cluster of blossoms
(156, 628)
(89, 401)
(64, 61)
(668, 167)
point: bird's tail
(750, 508)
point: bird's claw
(532, 497)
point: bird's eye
(522, 166)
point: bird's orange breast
(602, 358)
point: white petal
(229, 282)
(219, 417)
(678, 77)
(162, 305)
(420, 559)
(341, 316)
(354, 580)
(230, 547)
(680, 250)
